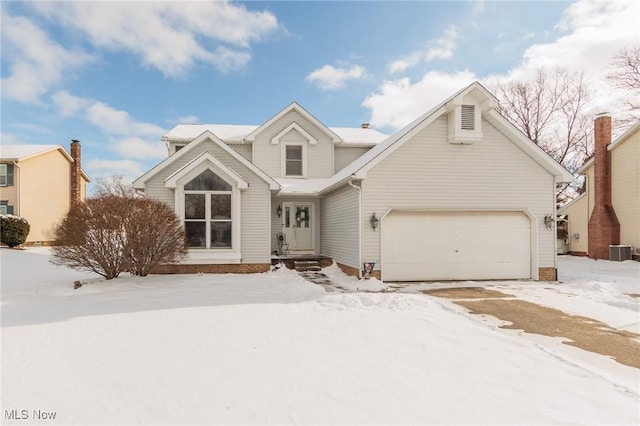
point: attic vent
(468, 117)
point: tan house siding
(625, 189)
(44, 184)
(625, 197)
(578, 216)
(429, 173)
(347, 155)
(268, 156)
(340, 227)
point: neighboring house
(608, 212)
(40, 183)
(457, 194)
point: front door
(298, 227)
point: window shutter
(468, 117)
(9, 174)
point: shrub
(13, 230)
(112, 234)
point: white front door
(299, 226)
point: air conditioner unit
(619, 253)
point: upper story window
(294, 161)
(208, 218)
(4, 175)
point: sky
(118, 75)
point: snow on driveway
(273, 348)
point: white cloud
(129, 137)
(35, 62)
(105, 168)
(143, 149)
(440, 48)
(188, 119)
(330, 78)
(169, 36)
(443, 47)
(403, 64)
(399, 102)
(595, 31)
(10, 139)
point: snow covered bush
(112, 234)
(13, 229)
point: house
(457, 194)
(608, 212)
(41, 183)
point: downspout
(359, 224)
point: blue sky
(117, 75)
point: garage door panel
(421, 246)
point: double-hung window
(4, 175)
(208, 212)
(294, 160)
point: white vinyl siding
(242, 149)
(255, 201)
(427, 173)
(340, 231)
(269, 157)
(347, 155)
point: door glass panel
(194, 206)
(287, 217)
(306, 217)
(196, 234)
(221, 206)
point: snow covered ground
(275, 349)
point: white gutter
(359, 225)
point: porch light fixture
(548, 222)
(279, 210)
(374, 221)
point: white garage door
(422, 246)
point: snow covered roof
(20, 152)
(237, 133)
(301, 186)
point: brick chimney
(604, 228)
(76, 174)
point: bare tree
(625, 75)
(110, 234)
(113, 185)
(551, 110)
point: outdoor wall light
(279, 210)
(374, 221)
(548, 222)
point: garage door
(422, 246)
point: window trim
(284, 159)
(212, 255)
(4, 175)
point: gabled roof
(359, 168)
(232, 133)
(303, 112)
(205, 157)
(23, 152)
(206, 135)
(613, 145)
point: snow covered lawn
(275, 349)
